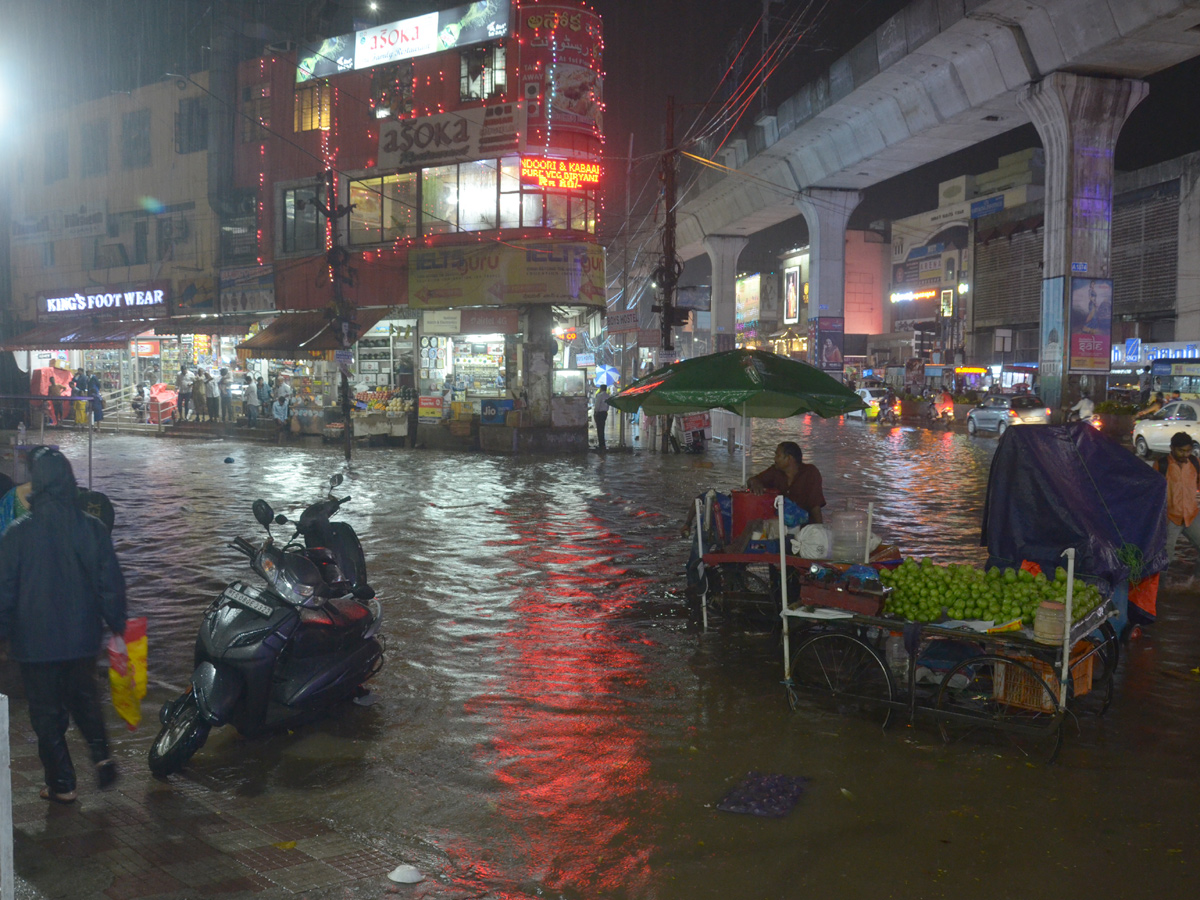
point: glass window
(531, 210)
(510, 192)
(301, 221)
(93, 148)
(135, 139)
(477, 199)
(439, 200)
(55, 155)
(392, 90)
(256, 113)
(482, 72)
(400, 205)
(579, 217)
(556, 211)
(191, 125)
(366, 211)
(311, 107)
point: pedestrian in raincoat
(97, 402)
(54, 616)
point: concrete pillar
(1187, 281)
(1078, 119)
(538, 373)
(826, 213)
(723, 252)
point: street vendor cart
(1074, 526)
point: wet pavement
(548, 723)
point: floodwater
(549, 724)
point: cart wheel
(994, 699)
(845, 672)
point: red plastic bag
(127, 671)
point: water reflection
(549, 723)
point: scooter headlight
(293, 577)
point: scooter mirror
(263, 513)
(281, 519)
(335, 481)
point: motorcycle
(270, 658)
(888, 415)
(943, 417)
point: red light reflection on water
(566, 749)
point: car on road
(999, 412)
(870, 396)
(1153, 433)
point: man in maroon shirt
(791, 476)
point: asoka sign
(117, 300)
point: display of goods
(927, 592)
(398, 405)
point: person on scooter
(945, 404)
(887, 406)
(1084, 409)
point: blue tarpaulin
(1057, 486)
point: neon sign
(560, 173)
(904, 296)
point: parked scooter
(269, 658)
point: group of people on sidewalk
(209, 399)
(84, 387)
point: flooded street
(548, 724)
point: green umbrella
(750, 383)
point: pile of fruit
(398, 405)
(927, 592)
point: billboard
(826, 343)
(561, 74)
(421, 35)
(1091, 324)
(469, 134)
(791, 295)
(535, 272)
(746, 298)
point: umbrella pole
(745, 447)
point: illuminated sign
(905, 296)
(947, 304)
(140, 301)
(404, 39)
(560, 173)
(470, 134)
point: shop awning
(223, 326)
(78, 335)
(303, 334)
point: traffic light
(677, 317)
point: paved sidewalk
(174, 839)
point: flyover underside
(930, 82)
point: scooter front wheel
(183, 733)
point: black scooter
(268, 658)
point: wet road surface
(548, 724)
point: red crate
(748, 506)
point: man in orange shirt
(1183, 480)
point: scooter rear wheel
(184, 732)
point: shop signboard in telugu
(404, 39)
(1091, 324)
(81, 221)
(147, 300)
(560, 68)
(550, 272)
(247, 289)
(463, 136)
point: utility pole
(669, 268)
(343, 314)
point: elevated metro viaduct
(939, 77)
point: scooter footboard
(217, 692)
(320, 683)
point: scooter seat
(336, 612)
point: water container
(1048, 622)
(849, 528)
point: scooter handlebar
(243, 546)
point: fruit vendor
(791, 476)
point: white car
(1154, 433)
(871, 397)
